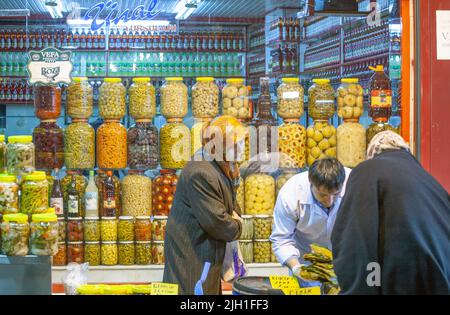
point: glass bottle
(91, 197)
(56, 199)
(73, 204)
(109, 200)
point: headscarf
(386, 140)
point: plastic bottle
(91, 197)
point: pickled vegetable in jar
(34, 194)
(111, 103)
(235, 100)
(158, 253)
(376, 128)
(2, 153)
(205, 98)
(60, 258)
(142, 99)
(47, 101)
(321, 141)
(262, 226)
(240, 195)
(351, 144)
(175, 145)
(75, 230)
(282, 179)
(125, 229)
(109, 253)
(20, 155)
(100, 182)
(62, 233)
(259, 194)
(91, 229)
(197, 135)
(79, 99)
(350, 99)
(108, 229)
(164, 188)
(143, 229)
(262, 251)
(9, 194)
(290, 95)
(79, 142)
(143, 148)
(75, 252)
(380, 95)
(159, 228)
(246, 248)
(44, 234)
(126, 253)
(136, 195)
(111, 145)
(247, 227)
(15, 232)
(80, 186)
(92, 253)
(321, 100)
(292, 144)
(174, 98)
(48, 139)
(143, 253)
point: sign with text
(443, 35)
(164, 289)
(49, 66)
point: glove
(296, 271)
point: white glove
(296, 271)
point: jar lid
(174, 120)
(158, 242)
(113, 80)
(143, 218)
(15, 217)
(91, 218)
(92, 243)
(125, 217)
(61, 243)
(126, 242)
(321, 81)
(109, 218)
(75, 219)
(74, 243)
(36, 176)
(44, 217)
(174, 79)
(2, 138)
(290, 80)
(7, 178)
(109, 242)
(247, 216)
(260, 241)
(262, 216)
(78, 120)
(235, 80)
(205, 79)
(143, 242)
(350, 80)
(160, 217)
(79, 79)
(20, 139)
(141, 80)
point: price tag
(301, 291)
(164, 289)
(291, 95)
(281, 282)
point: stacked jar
(136, 194)
(351, 135)
(246, 239)
(291, 135)
(259, 194)
(79, 136)
(164, 188)
(111, 142)
(282, 179)
(9, 194)
(15, 232)
(34, 193)
(174, 136)
(20, 153)
(321, 135)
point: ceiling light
(185, 8)
(54, 8)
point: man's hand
(236, 216)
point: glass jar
(51, 181)
(174, 98)
(240, 195)
(292, 144)
(351, 144)
(205, 98)
(80, 186)
(126, 253)
(47, 101)
(34, 193)
(262, 226)
(282, 179)
(164, 188)
(247, 227)
(175, 145)
(91, 228)
(321, 100)
(99, 181)
(75, 252)
(197, 135)
(143, 255)
(62, 232)
(109, 253)
(246, 248)
(44, 234)
(350, 99)
(290, 95)
(143, 148)
(20, 155)
(376, 128)
(79, 99)
(48, 139)
(75, 230)
(79, 142)
(60, 258)
(136, 195)
(321, 141)
(111, 145)
(259, 194)
(92, 253)
(158, 253)
(2, 153)
(235, 100)
(125, 229)
(111, 103)
(108, 229)
(15, 232)
(143, 229)
(159, 228)
(142, 99)
(262, 251)
(9, 194)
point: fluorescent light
(183, 11)
(14, 13)
(55, 11)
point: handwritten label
(280, 282)
(301, 291)
(164, 289)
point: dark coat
(199, 226)
(395, 214)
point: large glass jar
(51, 181)
(350, 99)
(79, 99)
(282, 179)
(205, 98)
(175, 145)
(292, 144)
(92, 253)
(321, 100)
(2, 153)
(321, 141)
(125, 229)
(91, 229)
(143, 229)
(262, 251)
(143, 253)
(79, 141)
(9, 194)
(290, 95)
(158, 253)
(99, 181)
(62, 231)
(164, 188)
(75, 230)
(44, 234)
(75, 252)
(47, 101)
(80, 186)
(235, 100)
(111, 103)
(136, 195)
(15, 232)
(240, 195)
(20, 155)
(126, 253)
(143, 148)
(259, 194)
(376, 128)
(34, 193)
(111, 146)
(246, 250)
(108, 229)
(48, 139)
(142, 99)
(60, 258)
(262, 226)
(159, 228)
(174, 98)
(109, 253)
(351, 144)
(247, 227)
(197, 135)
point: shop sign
(443, 34)
(163, 289)
(49, 66)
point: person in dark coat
(392, 233)
(204, 216)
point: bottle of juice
(380, 95)
(109, 196)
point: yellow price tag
(301, 291)
(280, 282)
(164, 289)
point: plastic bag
(233, 264)
(76, 276)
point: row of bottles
(15, 90)
(322, 58)
(288, 28)
(257, 39)
(284, 59)
(13, 63)
(369, 47)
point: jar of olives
(350, 99)
(109, 253)
(174, 98)
(262, 251)
(164, 188)
(79, 141)
(20, 155)
(47, 101)
(9, 194)
(136, 194)
(34, 193)
(292, 144)
(92, 253)
(125, 229)
(259, 194)
(48, 139)
(321, 100)
(91, 229)
(142, 99)
(262, 226)
(111, 103)
(15, 232)
(290, 95)
(175, 145)
(108, 229)
(205, 98)
(143, 147)
(321, 141)
(126, 252)
(143, 253)
(235, 100)
(111, 145)
(376, 128)
(79, 99)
